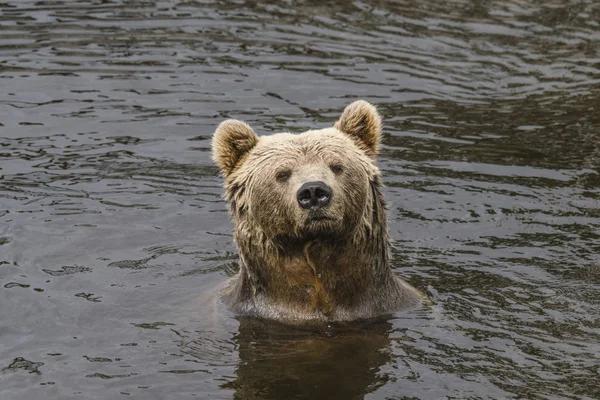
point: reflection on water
(114, 234)
(282, 362)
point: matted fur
(295, 267)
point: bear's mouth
(319, 216)
(319, 224)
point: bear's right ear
(232, 140)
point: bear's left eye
(283, 176)
(336, 169)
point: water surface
(114, 235)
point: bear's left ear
(361, 121)
(233, 139)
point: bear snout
(314, 195)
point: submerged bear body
(310, 222)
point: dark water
(114, 236)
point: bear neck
(326, 278)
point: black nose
(314, 195)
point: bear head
(298, 187)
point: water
(114, 236)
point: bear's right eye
(283, 176)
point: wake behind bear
(310, 222)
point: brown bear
(310, 222)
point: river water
(114, 236)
